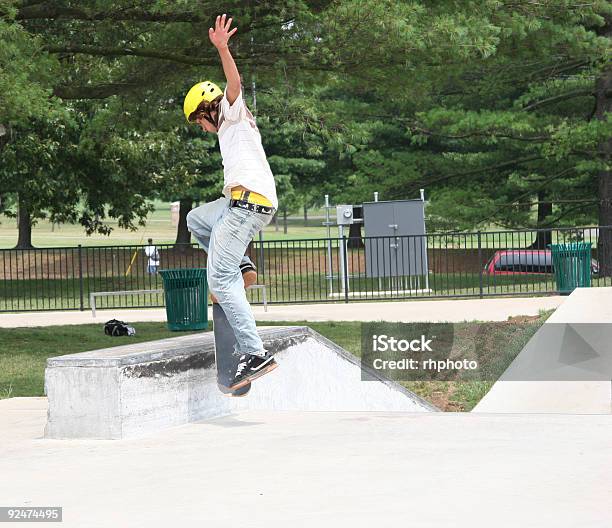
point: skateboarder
(225, 227)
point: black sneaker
(252, 367)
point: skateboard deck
(226, 360)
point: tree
(119, 63)
(39, 168)
(26, 73)
(496, 119)
(484, 99)
(518, 127)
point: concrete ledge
(131, 390)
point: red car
(512, 261)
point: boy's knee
(200, 217)
(192, 220)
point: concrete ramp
(566, 366)
(131, 390)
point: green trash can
(186, 294)
(572, 265)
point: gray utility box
(400, 247)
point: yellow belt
(252, 197)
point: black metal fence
(474, 264)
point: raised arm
(220, 37)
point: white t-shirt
(244, 159)
(153, 254)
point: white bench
(93, 295)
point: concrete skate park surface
(545, 357)
(303, 469)
(272, 468)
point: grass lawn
(25, 350)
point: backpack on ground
(118, 328)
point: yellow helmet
(203, 91)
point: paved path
(457, 310)
(299, 469)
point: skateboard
(226, 360)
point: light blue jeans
(225, 232)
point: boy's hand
(221, 34)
